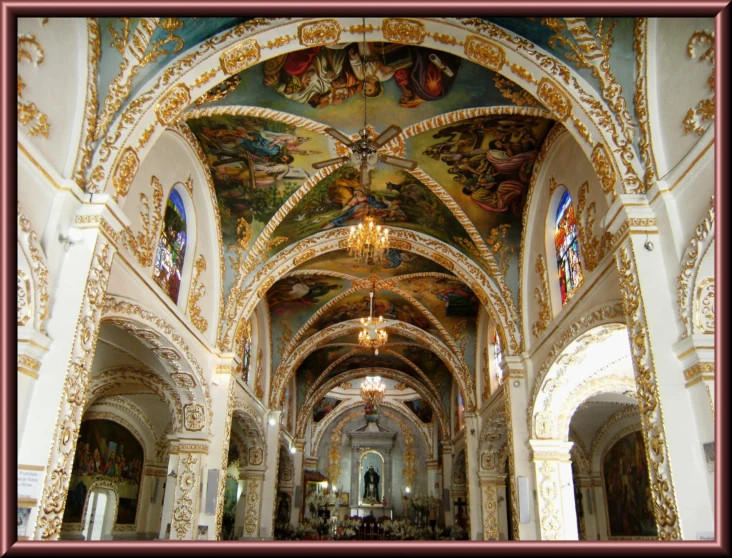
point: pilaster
(447, 481)
(297, 475)
(557, 512)
(674, 447)
(192, 453)
(269, 488)
(490, 486)
(472, 428)
(253, 508)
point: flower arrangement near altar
(422, 503)
(319, 500)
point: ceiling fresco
(420, 408)
(397, 262)
(395, 199)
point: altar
(371, 475)
(377, 511)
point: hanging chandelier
(372, 390)
(368, 243)
(371, 336)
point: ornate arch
(33, 298)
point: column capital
(550, 450)
(299, 444)
(629, 211)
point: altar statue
(371, 486)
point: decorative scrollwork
(541, 292)
(197, 291)
(143, 245)
(704, 109)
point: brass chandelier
(368, 243)
(371, 336)
(372, 390)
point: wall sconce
(293, 450)
(173, 474)
(74, 237)
(272, 421)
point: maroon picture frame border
(11, 10)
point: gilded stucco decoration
(35, 287)
(333, 469)
(485, 52)
(29, 114)
(662, 486)
(604, 168)
(91, 105)
(594, 248)
(404, 31)
(173, 104)
(554, 99)
(143, 244)
(240, 57)
(697, 247)
(185, 506)
(704, 110)
(490, 512)
(56, 482)
(705, 305)
(251, 510)
(541, 292)
(319, 33)
(124, 172)
(645, 142)
(550, 519)
(219, 91)
(194, 418)
(197, 291)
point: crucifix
(459, 514)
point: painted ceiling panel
(395, 199)
(313, 365)
(398, 262)
(256, 164)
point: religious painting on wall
(627, 489)
(324, 406)
(172, 247)
(567, 248)
(420, 408)
(109, 452)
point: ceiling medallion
(368, 243)
(371, 336)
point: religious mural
(255, 164)
(324, 407)
(397, 262)
(105, 451)
(171, 247)
(627, 489)
(313, 366)
(434, 368)
(420, 408)
(395, 198)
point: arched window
(567, 248)
(172, 247)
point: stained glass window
(172, 247)
(567, 248)
(498, 357)
(460, 411)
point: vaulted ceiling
(474, 134)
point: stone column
(241, 499)
(57, 408)
(269, 489)
(255, 481)
(168, 498)
(447, 481)
(673, 439)
(599, 507)
(297, 477)
(557, 512)
(490, 486)
(149, 502)
(472, 428)
(519, 459)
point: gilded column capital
(632, 213)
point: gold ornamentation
(487, 460)
(490, 513)
(251, 511)
(56, 483)
(515, 532)
(185, 506)
(305, 256)
(550, 519)
(541, 292)
(664, 498)
(285, 336)
(124, 173)
(484, 52)
(319, 33)
(641, 100)
(513, 92)
(143, 245)
(705, 302)
(603, 166)
(594, 248)
(554, 99)
(445, 39)
(145, 136)
(704, 109)
(205, 77)
(703, 235)
(25, 309)
(258, 377)
(220, 91)
(195, 294)
(333, 469)
(699, 369)
(240, 57)
(184, 381)
(404, 31)
(582, 129)
(173, 104)
(28, 113)
(193, 417)
(256, 456)
(502, 251)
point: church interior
(366, 278)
